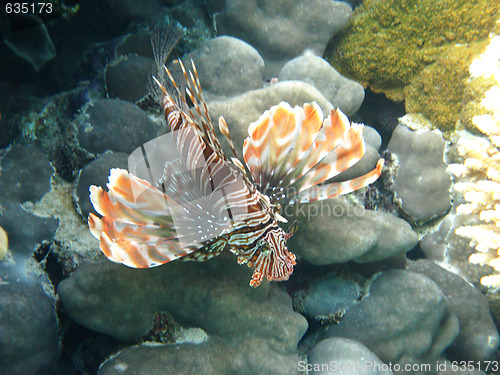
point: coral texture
(407, 49)
(282, 30)
(479, 174)
(480, 186)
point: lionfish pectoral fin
(295, 149)
(278, 140)
(95, 225)
(340, 146)
(136, 228)
(334, 189)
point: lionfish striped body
(288, 154)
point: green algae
(407, 49)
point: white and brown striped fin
(290, 150)
(334, 189)
(223, 128)
(136, 228)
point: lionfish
(206, 202)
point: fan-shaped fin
(136, 228)
(334, 189)
(289, 150)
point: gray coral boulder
(342, 92)
(28, 326)
(227, 66)
(422, 183)
(215, 356)
(404, 319)
(28, 323)
(116, 125)
(344, 357)
(478, 339)
(335, 231)
(213, 295)
(284, 29)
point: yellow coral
(479, 175)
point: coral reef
(408, 50)
(479, 174)
(440, 89)
(480, 186)
(71, 103)
(47, 123)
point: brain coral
(408, 49)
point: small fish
(288, 155)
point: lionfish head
(273, 259)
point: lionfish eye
(264, 246)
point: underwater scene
(249, 187)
